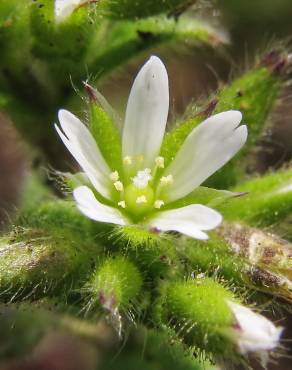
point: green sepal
(186, 304)
(135, 237)
(69, 181)
(107, 136)
(174, 139)
(207, 196)
(154, 252)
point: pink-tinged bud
(253, 332)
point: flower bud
(253, 332)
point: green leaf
(174, 139)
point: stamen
(119, 186)
(128, 160)
(141, 199)
(158, 203)
(142, 178)
(166, 180)
(114, 176)
(159, 161)
(122, 204)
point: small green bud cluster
(115, 285)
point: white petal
(189, 220)
(82, 146)
(64, 8)
(146, 113)
(255, 333)
(92, 208)
(209, 146)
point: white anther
(128, 160)
(166, 180)
(158, 203)
(122, 204)
(142, 178)
(141, 199)
(119, 186)
(159, 161)
(114, 176)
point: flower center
(142, 178)
(139, 197)
(139, 200)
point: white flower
(254, 333)
(64, 8)
(145, 187)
